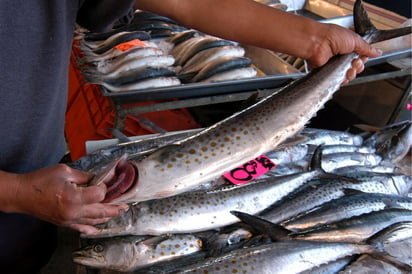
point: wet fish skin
(353, 204)
(331, 267)
(201, 210)
(205, 56)
(219, 65)
(355, 229)
(131, 76)
(319, 137)
(279, 257)
(397, 183)
(200, 45)
(125, 37)
(232, 74)
(317, 192)
(159, 61)
(106, 66)
(182, 36)
(260, 128)
(151, 82)
(334, 161)
(132, 252)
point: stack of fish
(173, 55)
(204, 58)
(184, 217)
(143, 64)
(316, 210)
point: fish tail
(365, 27)
(378, 251)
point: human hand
(339, 40)
(55, 194)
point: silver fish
(120, 61)
(201, 210)
(246, 135)
(132, 253)
(155, 61)
(206, 56)
(356, 229)
(353, 204)
(319, 191)
(233, 74)
(279, 257)
(156, 82)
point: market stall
(105, 108)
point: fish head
(120, 177)
(119, 225)
(104, 253)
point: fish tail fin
(378, 251)
(365, 27)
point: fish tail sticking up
(365, 27)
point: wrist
(11, 192)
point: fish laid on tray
(286, 222)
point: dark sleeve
(100, 15)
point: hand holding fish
(54, 194)
(339, 40)
(252, 23)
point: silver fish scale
(347, 207)
(358, 228)
(313, 195)
(280, 257)
(199, 211)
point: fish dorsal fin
(262, 226)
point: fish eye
(98, 248)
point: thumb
(364, 49)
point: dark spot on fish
(204, 149)
(192, 151)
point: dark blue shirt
(35, 45)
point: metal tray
(274, 71)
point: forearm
(245, 21)
(9, 185)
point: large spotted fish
(187, 164)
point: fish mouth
(119, 177)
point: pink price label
(250, 170)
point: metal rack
(277, 73)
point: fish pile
(159, 53)
(329, 218)
(177, 193)
(204, 58)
